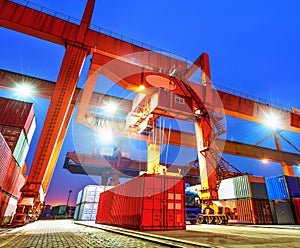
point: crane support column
(153, 157)
(206, 166)
(55, 125)
(87, 92)
(57, 148)
(287, 169)
(56, 116)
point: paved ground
(64, 233)
(241, 236)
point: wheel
(211, 220)
(219, 221)
(224, 222)
(201, 220)
(193, 222)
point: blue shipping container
(293, 186)
(282, 187)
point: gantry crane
(152, 69)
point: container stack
(87, 202)
(247, 195)
(17, 126)
(284, 196)
(147, 202)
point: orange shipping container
(148, 202)
(250, 211)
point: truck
(192, 206)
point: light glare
(24, 90)
(265, 161)
(111, 108)
(141, 87)
(106, 136)
(272, 121)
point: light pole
(70, 191)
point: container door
(284, 213)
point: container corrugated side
(19, 148)
(87, 211)
(284, 213)
(147, 202)
(273, 212)
(241, 187)
(79, 197)
(76, 213)
(31, 131)
(258, 190)
(91, 193)
(250, 211)
(249, 186)
(226, 189)
(12, 176)
(293, 186)
(11, 135)
(276, 188)
(296, 209)
(20, 181)
(20, 159)
(16, 113)
(10, 210)
(5, 160)
(4, 199)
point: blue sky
(253, 48)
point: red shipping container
(12, 176)
(296, 209)
(19, 183)
(5, 159)
(250, 211)
(148, 202)
(4, 199)
(16, 113)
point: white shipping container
(23, 153)
(31, 131)
(87, 211)
(76, 213)
(79, 197)
(226, 189)
(10, 211)
(88, 194)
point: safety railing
(101, 30)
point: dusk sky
(253, 48)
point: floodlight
(142, 87)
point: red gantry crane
(130, 66)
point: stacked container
(247, 195)
(147, 202)
(284, 194)
(17, 126)
(87, 202)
